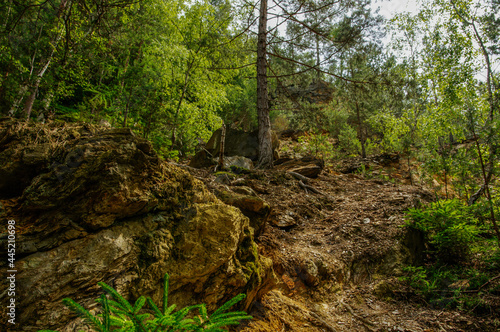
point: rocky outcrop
(319, 92)
(237, 143)
(96, 205)
(252, 206)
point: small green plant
(317, 145)
(365, 171)
(120, 315)
(416, 277)
(449, 228)
(349, 142)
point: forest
(423, 85)
(174, 71)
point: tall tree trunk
(318, 59)
(265, 139)
(28, 106)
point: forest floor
(338, 255)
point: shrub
(449, 228)
(120, 315)
(348, 141)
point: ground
(338, 254)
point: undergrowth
(120, 315)
(462, 268)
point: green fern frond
(139, 304)
(116, 321)
(203, 312)
(124, 303)
(85, 314)
(167, 321)
(119, 315)
(170, 309)
(153, 306)
(165, 293)
(232, 315)
(228, 305)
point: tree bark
(265, 139)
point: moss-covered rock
(96, 205)
(251, 205)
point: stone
(202, 159)
(308, 272)
(237, 143)
(102, 206)
(319, 92)
(252, 206)
(238, 162)
(284, 221)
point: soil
(338, 254)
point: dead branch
(299, 176)
(314, 190)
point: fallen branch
(299, 176)
(483, 285)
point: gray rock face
(99, 205)
(237, 143)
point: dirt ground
(338, 253)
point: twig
(299, 176)
(483, 285)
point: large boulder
(237, 143)
(94, 205)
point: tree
(265, 140)
(307, 20)
(459, 107)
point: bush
(449, 228)
(317, 145)
(120, 315)
(348, 141)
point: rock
(307, 166)
(284, 221)
(224, 177)
(237, 143)
(308, 272)
(100, 205)
(202, 159)
(238, 161)
(244, 190)
(383, 290)
(252, 206)
(319, 92)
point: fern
(118, 315)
